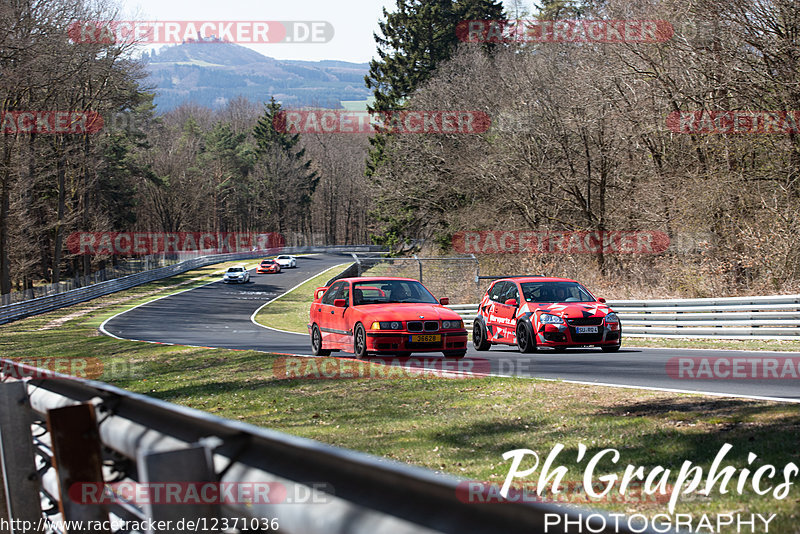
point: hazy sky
(354, 22)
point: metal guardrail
(771, 317)
(48, 303)
(89, 432)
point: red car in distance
(534, 311)
(268, 266)
(383, 316)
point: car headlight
(387, 325)
(452, 324)
(612, 318)
(548, 318)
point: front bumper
(401, 341)
(234, 280)
(563, 335)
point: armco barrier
(39, 305)
(773, 317)
(122, 438)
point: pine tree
(284, 172)
(415, 39)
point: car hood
(572, 310)
(407, 312)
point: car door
(493, 320)
(340, 320)
(506, 314)
(325, 315)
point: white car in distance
(286, 261)
(236, 274)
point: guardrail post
(20, 480)
(78, 460)
(192, 468)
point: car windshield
(283, 257)
(267, 262)
(391, 291)
(555, 292)
(235, 270)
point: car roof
(239, 266)
(523, 279)
(378, 279)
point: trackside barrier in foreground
(39, 305)
(775, 317)
(58, 432)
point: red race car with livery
(383, 316)
(535, 311)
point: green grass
(290, 311)
(460, 427)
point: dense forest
(579, 142)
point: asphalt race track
(218, 315)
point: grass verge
(460, 427)
(290, 311)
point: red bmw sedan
(383, 316)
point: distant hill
(211, 73)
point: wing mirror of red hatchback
(601, 299)
(444, 301)
(339, 303)
(511, 302)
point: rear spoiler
(513, 276)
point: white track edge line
(253, 316)
(655, 388)
(102, 327)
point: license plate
(586, 329)
(430, 338)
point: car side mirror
(339, 303)
(444, 301)
(511, 302)
(601, 299)
(319, 292)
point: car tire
(458, 354)
(360, 342)
(525, 340)
(610, 348)
(316, 343)
(480, 339)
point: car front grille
(586, 321)
(586, 338)
(420, 326)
